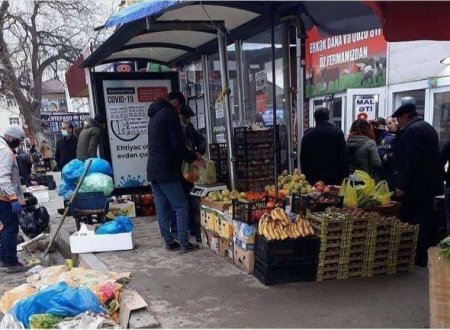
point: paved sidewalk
(201, 289)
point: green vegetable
(44, 321)
(445, 246)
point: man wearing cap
(11, 198)
(385, 145)
(417, 173)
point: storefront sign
(51, 122)
(336, 63)
(366, 107)
(127, 103)
(261, 80)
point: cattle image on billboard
(336, 63)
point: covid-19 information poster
(126, 105)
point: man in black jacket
(417, 173)
(323, 154)
(66, 147)
(167, 150)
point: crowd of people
(403, 150)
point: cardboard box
(243, 245)
(439, 270)
(226, 248)
(219, 206)
(223, 228)
(208, 218)
(246, 233)
(244, 259)
(209, 240)
(86, 243)
(127, 208)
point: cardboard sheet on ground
(130, 301)
(75, 277)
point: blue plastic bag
(99, 165)
(58, 299)
(97, 182)
(72, 171)
(120, 224)
(66, 189)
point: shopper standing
(392, 125)
(66, 147)
(362, 149)
(323, 154)
(167, 150)
(24, 163)
(385, 145)
(11, 199)
(417, 173)
(89, 138)
(46, 154)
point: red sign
(336, 63)
(261, 102)
(151, 94)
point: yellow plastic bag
(190, 172)
(365, 185)
(349, 192)
(11, 296)
(382, 193)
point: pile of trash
(98, 179)
(64, 297)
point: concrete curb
(139, 319)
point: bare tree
(38, 36)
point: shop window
(14, 120)
(419, 96)
(441, 118)
(335, 107)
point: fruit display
(277, 226)
(225, 196)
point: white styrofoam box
(101, 243)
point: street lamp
(445, 60)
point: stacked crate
(219, 155)
(254, 158)
(403, 248)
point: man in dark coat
(167, 150)
(417, 173)
(385, 145)
(66, 147)
(24, 163)
(323, 154)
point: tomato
(257, 214)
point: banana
(300, 228)
(282, 216)
(306, 228)
(270, 230)
(297, 233)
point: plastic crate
(254, 170)
(285, 274)
(255, 153)
(244, 136)
(251, 212)
(288, 251)
(218, 151)
(93, 201)
(302, 203)
(256, 185)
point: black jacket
(195, 139)
(167, 144)
(66, 150)
(417, 162)
(24, 164)
(323, 154)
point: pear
(225, 193)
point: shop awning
(413, 20)
(183, 31)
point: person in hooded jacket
(323, 155)
(362, 149)
(90, 137)
(167, 150)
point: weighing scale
(202, 191)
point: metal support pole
(221, 38)
(274, 103)
(207, 100)
(287, 93)
(300, 94)
(240, 80)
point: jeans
(420, 213)
(8, 236)
(170, 196)
(193, 207)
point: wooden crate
(439, 269)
